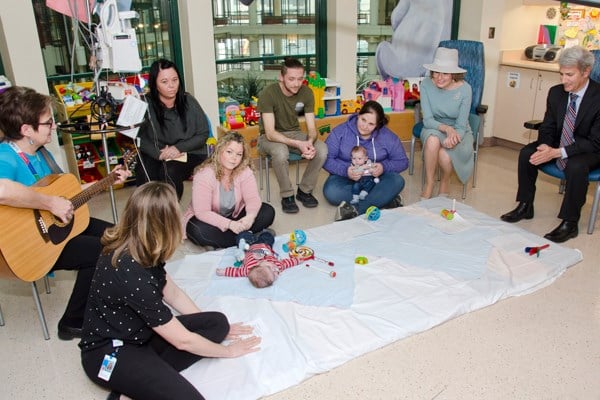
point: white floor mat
(423, 270)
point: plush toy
(418, 26)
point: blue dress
(449, 107)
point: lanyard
(25, 160)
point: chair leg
(298, 173)
(464, 193)
(47, 284)
(38, 304)
(592, 221)
(561, 186)
(260, 171)
(1, 318)
(267, 179)
(411, 160)
(474, 168)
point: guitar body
(32, 240)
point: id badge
(107, 367)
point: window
(67, 54)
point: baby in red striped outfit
(261, 265)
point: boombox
(543, 52)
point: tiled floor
(541, 346)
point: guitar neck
(103, 184)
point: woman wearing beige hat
(446, 134)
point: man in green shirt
(280, 104)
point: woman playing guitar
(27, 124)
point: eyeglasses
(50, 122)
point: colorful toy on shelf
(373, 213)
(250, 112)
(317, 85)
(396, 90)
(411, 89)
(297, 238)
(352, 106)
(379, 92)
(233, 117)
(225, 102)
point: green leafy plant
(243, 90)
(362, 81)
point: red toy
(536, 249)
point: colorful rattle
(373, 213)
(297, 238)
(330, 273)
(303, 252)
(306, 253)
(536, 249)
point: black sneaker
(288, 205)
(307, 199)
(395, 203)
(345, 211)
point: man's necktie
(566, 137)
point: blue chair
(266, 158)
(471, 58)
(594, 175)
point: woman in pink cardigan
(225, 198)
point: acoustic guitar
(32, 240)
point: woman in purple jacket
(384, 148)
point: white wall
(516, 27)
(199, 56)
(341, 44)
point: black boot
(563, 232)
(523, 211)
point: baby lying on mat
(261, 264)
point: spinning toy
(536, 249)
(373, 213)
(297, 238)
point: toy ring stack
(373, 213)
(361, 260)
(302, 252)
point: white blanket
(423, 270)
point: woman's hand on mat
(239, 347)
(220, 271)
(239, 329)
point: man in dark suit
(568, 136)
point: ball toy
(373, 213)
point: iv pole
(98, 107)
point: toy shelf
(73, 100)
(85, 154)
